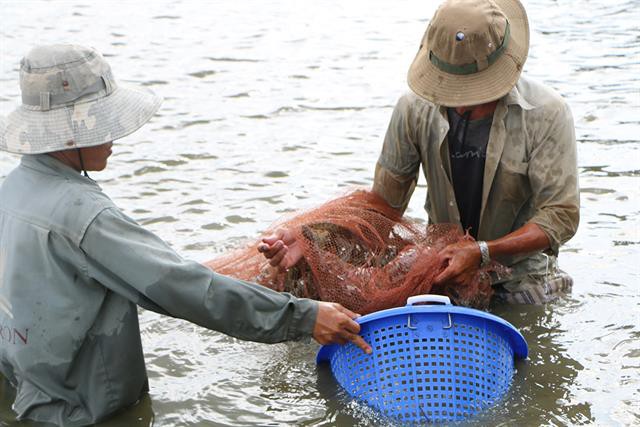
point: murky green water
(275, 106)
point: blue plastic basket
(430, 362)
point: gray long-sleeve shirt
(72, 269)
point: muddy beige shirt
(530, 171)
(74, 268)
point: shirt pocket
(511, 182)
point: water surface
(273, 106)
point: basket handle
(439, 299)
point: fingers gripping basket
(429, 362)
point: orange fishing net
(359, 252)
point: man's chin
(99, 168)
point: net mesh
(358, 251)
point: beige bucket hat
(71, 100)
(472, 52)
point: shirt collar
(515, 97)
(47, 164)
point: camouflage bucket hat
(472, 52)
(71, 100)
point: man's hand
(462, 260)
(335, 324)
(281, 249)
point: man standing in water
(73, 266)
(497, 150)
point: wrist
(485, 257)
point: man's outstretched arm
(135, 263)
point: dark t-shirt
(467, 151)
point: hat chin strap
(84, 171)
(474, 67)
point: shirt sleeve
(138, 265)
(553, 174)
(399, 162)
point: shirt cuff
(304, 319)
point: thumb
(273, 238)
(443, 276)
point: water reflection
(138, 415)
(542, 387)
(7, 416)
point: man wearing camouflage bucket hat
(497, 150)
(73, 266)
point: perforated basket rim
(513, 336)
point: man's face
(95, 158)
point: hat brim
(451, 90)
(84, 124)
